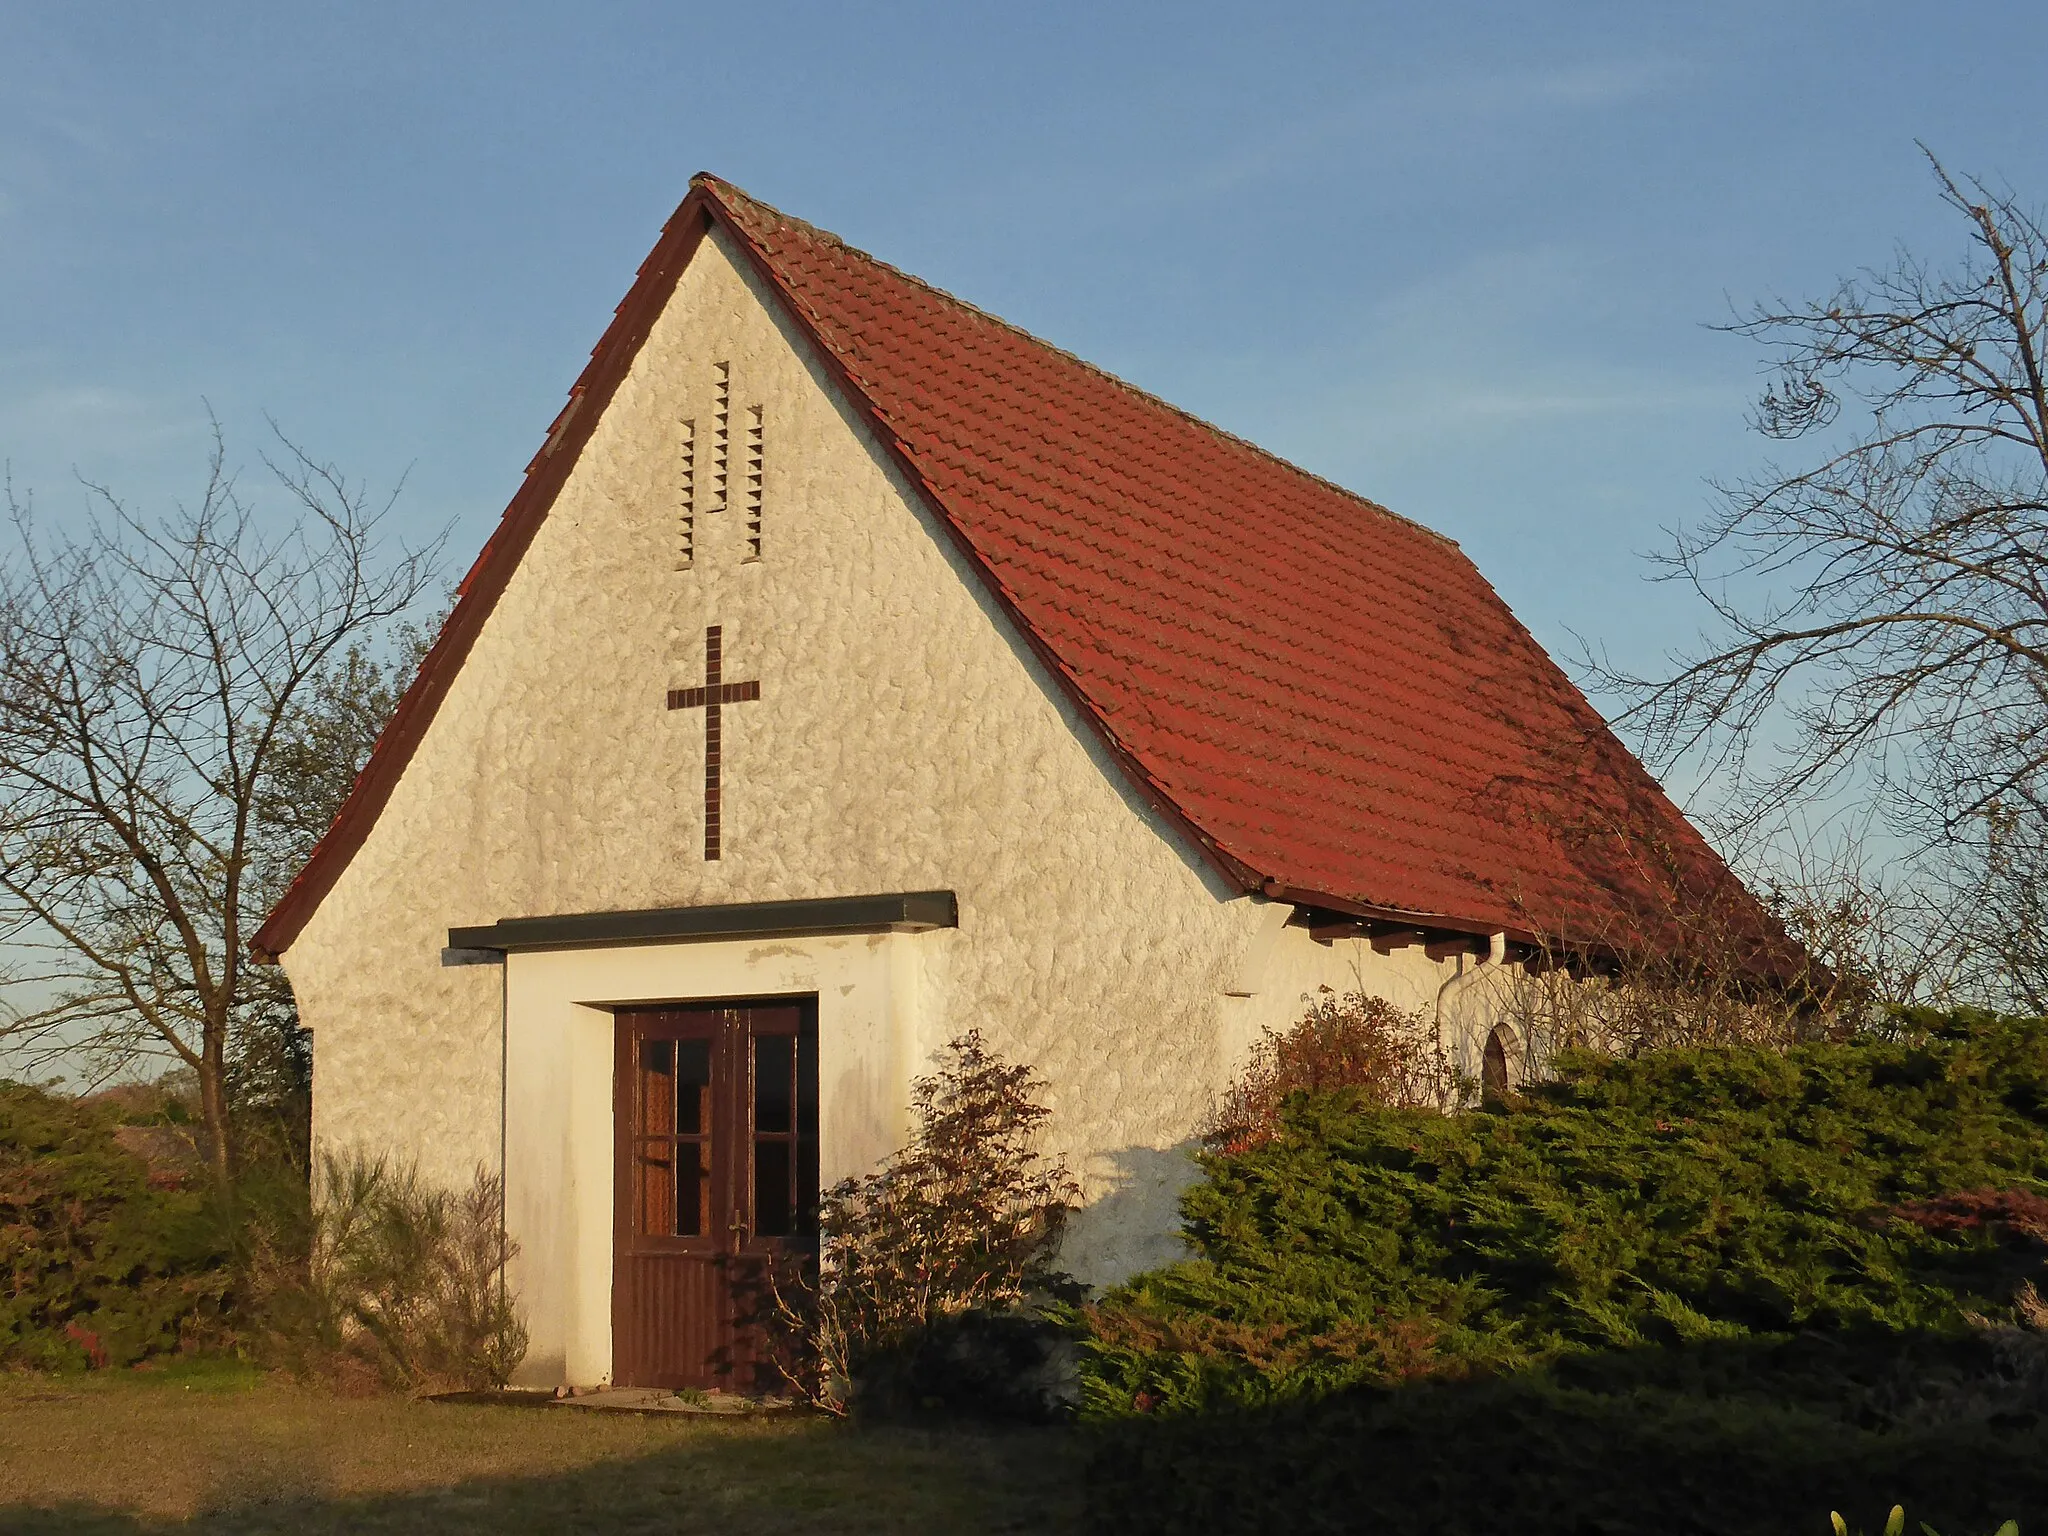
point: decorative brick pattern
(721, 439)
(756, 463)
(687, 529)
(715, 692)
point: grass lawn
(219, 1448)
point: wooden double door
(715, 1110)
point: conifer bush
(1705, 1194)
(114, 1250)
(101, 1262)
(1702, 1290)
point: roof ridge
(726, 191)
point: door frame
(716, 1266)
(560, 1056)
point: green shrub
(401, 1285)
(102, 1264)
(1682, 1197)
(1732, 1440)
(1712, 1290)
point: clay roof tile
(1329, 691)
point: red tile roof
(1330, 699)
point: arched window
(1496, 1067)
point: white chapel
(853, 669)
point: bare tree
(153, 675)
(1883, 614)
(323, 741)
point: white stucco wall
(904, 740)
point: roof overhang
(897, 912)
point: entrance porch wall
(558, 1097)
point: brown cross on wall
(716, 691)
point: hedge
(99, 1264)
(1667, 1293)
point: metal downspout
(1496, 953)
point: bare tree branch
(1880, 618)
(156, 676)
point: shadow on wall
(548, 1368)
(869, 1120)
(1134, 1224)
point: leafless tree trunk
(1883, 614)
(150, 671)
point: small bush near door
(921, 1296)
(401, 1285)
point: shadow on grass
(852, 1481)
(1725, 1440)
(1747, 1439)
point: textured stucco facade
(905, 739)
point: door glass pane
(693, 1087)
(657, 1087)
(806, 1213)
(690, 1189)
(773, 1064)
(671, 1160)
(654, 1171)
(807, 1085)
(771, 1189)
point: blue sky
(1459, 257)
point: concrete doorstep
(667, 1400)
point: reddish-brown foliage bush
(96, 1355)
(1348, 1043)
(2006, 1213)
(963, 1222)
